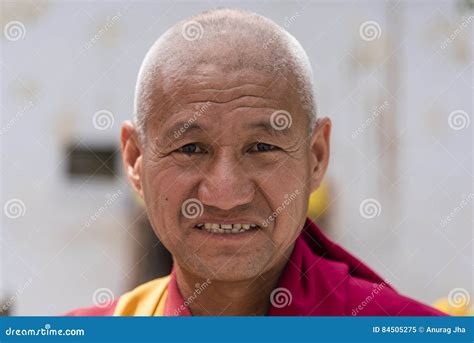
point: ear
(132, 152)
(320, 151)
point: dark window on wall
(91, 161)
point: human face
(215, 146)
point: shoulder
(140, 300)
(102, 310)
(144, 299)
(365, 298)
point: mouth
(227, 229)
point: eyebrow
(267, 127)
(183, 127)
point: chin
(233, 269)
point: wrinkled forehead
(222, 92)
(211, 82)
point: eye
(262, 147)
(190, 149)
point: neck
(249, 297)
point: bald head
(224, 40)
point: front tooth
(208, 226)
(245, 226)
(226, 226)
(235, 230)
(215, 226)
(220, 230)
(237, 226)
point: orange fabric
(148, 299)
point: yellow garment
(462, 310)
(146, 300)
(319, 201)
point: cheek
(164, 193)
(162, 180)
(283, 179)
(286, 193)
(289, 219)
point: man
(225, 151)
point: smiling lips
(226, 228)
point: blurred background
(396, 78)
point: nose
(226, 184)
